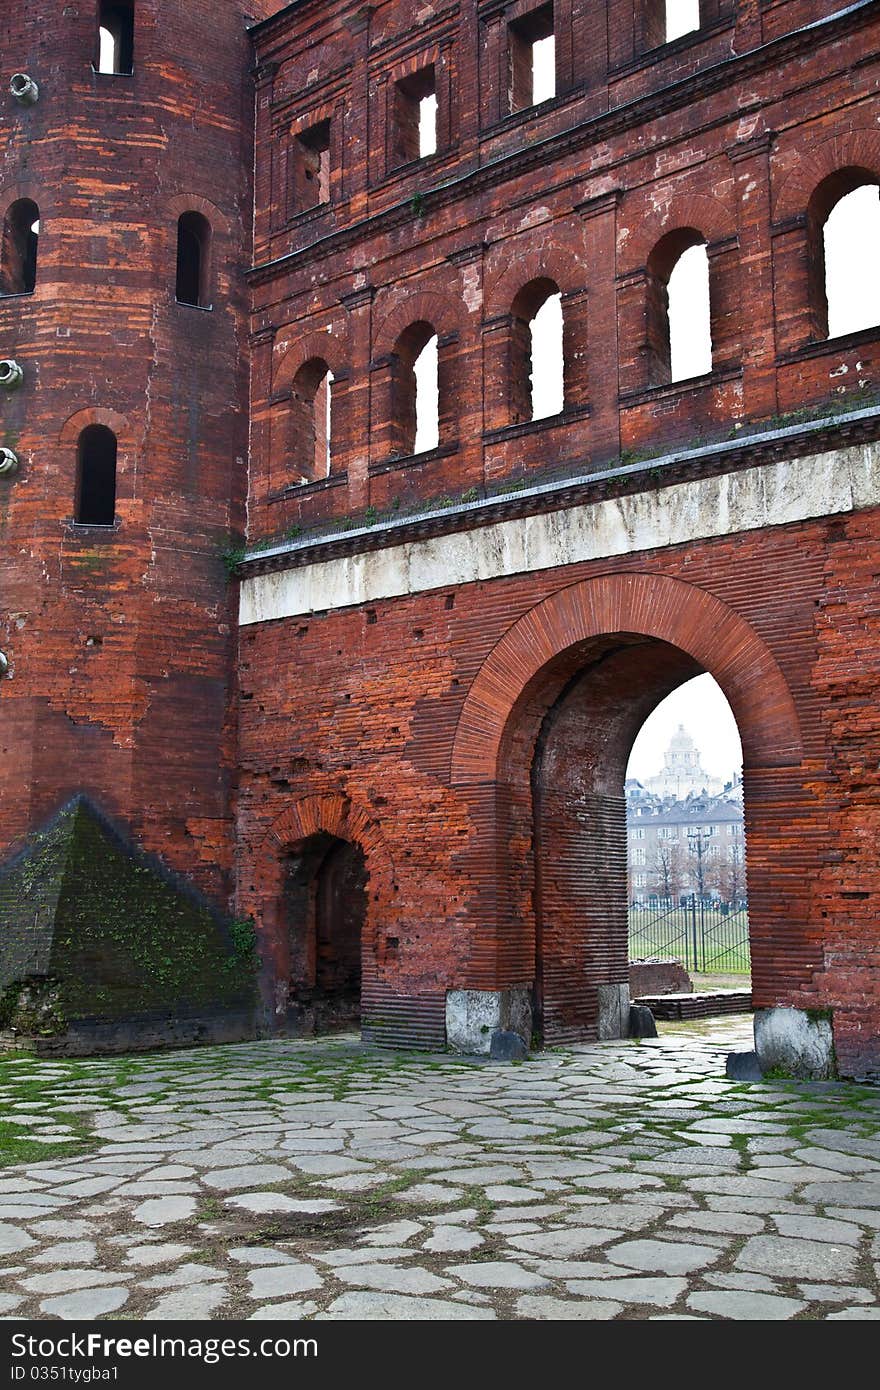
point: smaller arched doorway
(324, 908)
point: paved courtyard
(321, 1180)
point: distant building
(682, 773)
(689, 839)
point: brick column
(751, 169)
(266, 187)
(467, 405)
(261, 342)
(601, 349)
(493, 68)
(356, 441)
(356, 154)
(749, 31)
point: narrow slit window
(532, 59)
(116, 37)
(193, 259)
(313, 166)
(18, 254)
(415, 116)
(96, 477)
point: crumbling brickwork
(420, 733)
(120, 638)
(465, 686)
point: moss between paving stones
(107, 935)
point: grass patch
(18, 1147)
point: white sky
(702, 708)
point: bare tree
(732, 874)
(666, 870)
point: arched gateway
(540, 752)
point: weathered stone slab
(785, 1257)
(746, 1307)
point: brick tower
(125, 203)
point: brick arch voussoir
(95, 415)
(564, 266)
(417, 63)
(858, 149)
(712, 217)
(191, 202)
(334, 814)
(331, 347)
(651, 605)
(35, 193)
(446, 313)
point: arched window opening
(679, 335)
(311, 420)
(325, 906)
(116, 37)
(96, 477)
(18, 257)
(686, 850)
(415, 113)
(844, 220)
(193, 260)
(416, 391)
(538, 363)
(532, 59)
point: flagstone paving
(323, 1180)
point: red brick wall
(713, 132)
(377, 720)
(121, 641)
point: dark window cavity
(18, 255)
(193, 259)
(96, 477)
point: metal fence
(705, 935)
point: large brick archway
(655, 606)
(540, 751)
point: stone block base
(473, 1015)
(792, 1043)
(613, 1012)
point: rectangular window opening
(532, 67)
(314, 165)
(415, 117)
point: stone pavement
(317, 1179)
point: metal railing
(707, 936)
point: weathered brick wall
(120, 641)
(728, 131)
(371, 721)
